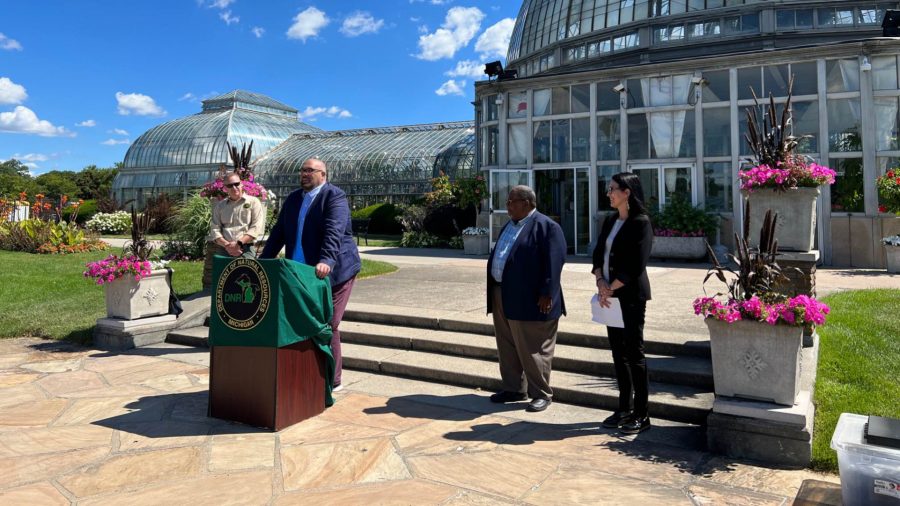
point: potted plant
(755, 331)
(779, 179)
(135, 286)
(889, 192)
(475, 241)
(680, 230)
(472, 192)
(892, 253)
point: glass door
(664, 182)
(499, 184)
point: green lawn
(859, 363)
(47, 296)
(390, 241)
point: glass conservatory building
(660, 88)
(388, 164)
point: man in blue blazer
(319, 215)
(525, 296)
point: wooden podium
(264, 371)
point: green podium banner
(270, 303)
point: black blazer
(628, 256)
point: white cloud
(189, 97)
(258, 31)
(228, 18)
(138, 104)
(31, 157)
(460, 26)
(10, 92)
(113, 142)
(467, 68)
(23, 120)
(117, 131)
(9, 44)
(360, 23)
(313, 113)
(451, 87)
(221, 4)
(87, 123)
(432, 2)
(308, 24)
(494, 42)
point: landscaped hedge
(86, 211)
(383, 218)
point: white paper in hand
(610, 316)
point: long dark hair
(630, 181)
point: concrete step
(685, 370)
(667, 401)
(194, 336)
(577, 333)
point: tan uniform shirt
(231, 219)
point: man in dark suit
(314, 228)
(525, 296)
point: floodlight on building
(499, 100)
(619, 88)
(699, 81)
(865, 66)
(493, 69)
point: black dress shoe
(537, 405)
(617, 419)
(635, 426)
(507, 396)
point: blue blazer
(327, 233)
(533, 268)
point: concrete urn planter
(681, 248)
(796, 210)
(892, 257)
(129, 299)
(755, 360)
(476, 244)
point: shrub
(412, 218)
(86, 211)
(420, 240)
(448, 221)
(190, 227)
(383, 218)
(110, 223)
(889, 191)
(44, 236)
(160, 209)
(678, 218)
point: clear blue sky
(80, 80)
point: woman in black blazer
(622, 273)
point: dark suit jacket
(533, 268)
(327, 233)
(629, 255)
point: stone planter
(796, 210)
(476, 244)
(681, 248)
(755, 360)
(129, 299)
(892, 257)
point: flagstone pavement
(88, 427)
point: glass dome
(389, 164)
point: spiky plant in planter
(240, 161)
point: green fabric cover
(300, 308)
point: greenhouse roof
(248, 100)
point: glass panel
(749, 78)
(607, 98)
(555, 190)
(581, 98)
(884, 72)
(867, 17)
(742, 130)
(806, 125)
(635, 93)
(491, 107)
(776, 80)
(491, 138)
(678, 183)
(560, 100)
(608, 138)
(717, 87)
(842, 75)
(717, 131)
(518, 143)
(582, 212)
(847, 190)
(518, 105)
(844, 125)
(805, 78)
(638, 137)
(581, 139)
(784, 19)
(804, 18)
(886, 123)
(650, 183)
(717, 184)
(501, 182)
(541, 102)
(604, 175)
(561, 140)
(541, 142)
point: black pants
(627, 345)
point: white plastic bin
(870, 474)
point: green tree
(94, 182)
(57, 183)
(14, 167)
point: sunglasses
(232, 185)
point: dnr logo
(242, 295)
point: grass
(384, 240)
(47, 296)
(859, 361)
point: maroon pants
(340, 296)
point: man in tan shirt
(237, 222)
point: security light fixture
(619, 88)
(865, 66)
(699, 81)
(493, 69)
(499, 99)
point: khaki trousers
(525, 349)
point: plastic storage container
(870, 474)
